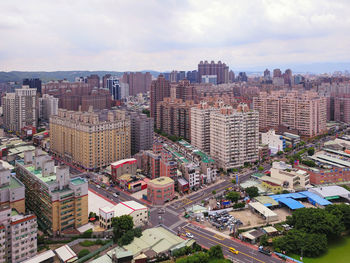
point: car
(189, 235)
(98, 186)
(115, 195)
(233, 250)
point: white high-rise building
(20, 109)
(234, 136)
(48, 105)
(200, 126)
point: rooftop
(158, 239)
(78, 181)
(162, 180)
(14, 183)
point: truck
(264, 251)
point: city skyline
(165, 35)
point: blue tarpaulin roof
(291, 203)
(314, 197)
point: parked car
(233, 250)
(115, 195)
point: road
(245, 253)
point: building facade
(48, 105)
(138, 82)
(234, 136)
(275, 142)
(142, 132)
(306, 112)
(160, 89)
(59, 201)
(91, 140)
(20, 109)
(173, 117)
(18, 235)
(11, 191)
(160, 190)
(219, 69)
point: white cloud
(162, 35)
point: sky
(132, 35)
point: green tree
(233, 181)
(147, 112)
(137, 232)
(311, 151)
(300, 242)
(316, 221)
(341, 211)
(213, 192)
(121, 225)
(260, 168)
(264, 240)
(233, 196)
(309, 163)
(126, 238)
(279, 153)
(252, 191)
(83, 253)
(215, 252)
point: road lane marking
(217, 242)
(204, 196)
(219, 237)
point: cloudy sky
(167, 34)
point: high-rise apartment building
(306, 112)
(219, 69)
(91, 140)
(78, 95)
(234, 136)
(200, 126)
(20, 109)
(173, 117)
(231, 77)
(138, 82)
(18, 235)
(183, 90)
(59, 201)
(141, 132)
(160, 89)
(33, 84)
(192, 76)
(48, 105)
(342, 108)
(93, 80)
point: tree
(233, 196)
(264, 241)
(215, 252)
(300, 242)
(311, 151)
(213, 192)
(233, 181)
(260, 168)
(341, 211)
(309, 163)
(252, 191)
(147, 112)
(279, 153)
(126, 238)
(316, 221)
(121, 225)
(137, 232)
(83, 253)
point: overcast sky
(163, 35)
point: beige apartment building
(305, 112)
(200, 125)
(234, 136)
(91, 140)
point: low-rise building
(160, 190)
(139, 213)
(125, 166)
(275, 142)
(291, 178)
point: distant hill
(18, 76)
